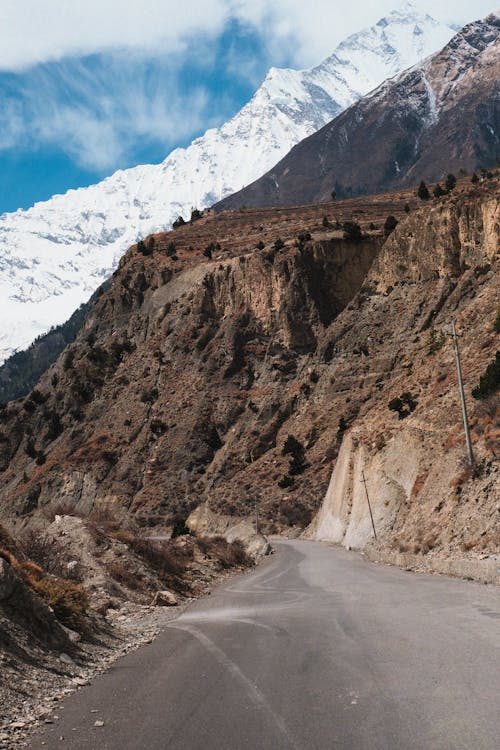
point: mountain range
(54, 255)
(440, 116)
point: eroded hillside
(230, 359)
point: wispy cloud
(96, 109)
(34, 31)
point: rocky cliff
(230, 361)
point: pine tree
(450, 183)
(422, 192)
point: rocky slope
(230, 361)
(53, 256)
(438, 117)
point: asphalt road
(315, 649)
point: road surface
(315, 649)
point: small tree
(423, 192)
(279, 244)
(326, 221)
(296, 450)
(474, 179)
(195, 215)
(451, 182)
(407, 208)
(333, 195)
(390, 225)
(352, 231)
(208, 252)
(260, 245)
(178, 222)
(404, 404)
(438, 191)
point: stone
(164, 599)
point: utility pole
(470, 454)
(369, 506)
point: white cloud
(98, 111)
(33, 31)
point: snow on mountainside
(54, 255)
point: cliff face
(191, 373)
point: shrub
(55, 426)
(69, 600)
(227, 554)
(296, 450)
(496, 324)
(326, 222)
(333, 195)
(145, 248)
(179, 222)
(436, 341)
(30, 449)
(407, 208)
(489, 382)
(179, 527)
(352, 231)
(286, 482)
(474, 179)
(438, 191)
(296, 513)
(69, 360)
(450, 183)
(195, 215)
(6, 541)
(120, 573)
(404, 404)
(390, 225)
(46, 552)
(279, 244)
(423, 192)
(171, 249)
(304, 237)
(260, 245)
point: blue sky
(90, 87)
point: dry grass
(462, 477)
(49, 554)
(120, 573)
(6, 540)
(227, 554)
(68, 599)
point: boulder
(164, 599)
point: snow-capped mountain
(54, 255)
(437, 117)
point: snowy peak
(54, 255)
(437, 117)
